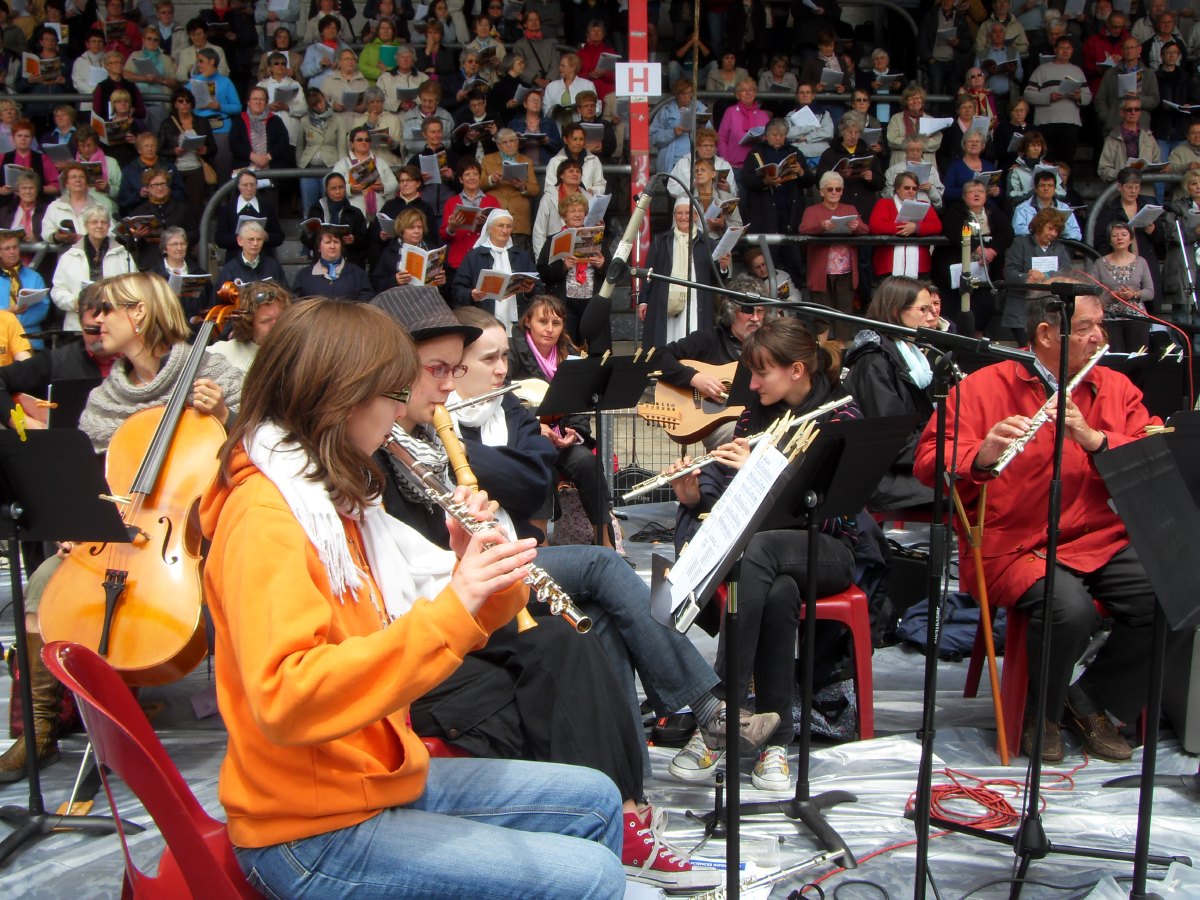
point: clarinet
(427, 481)
(1042, 416)
(721, 893)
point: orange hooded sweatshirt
(315, 689)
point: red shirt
(1014, 530)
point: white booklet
(932, 124)
(728, 239)
(1145, 216)
(912, 211)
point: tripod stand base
(808, 813)
(1187, 782)
(29, 827)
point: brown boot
(47, 707)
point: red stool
(439, 748)
(851, 609)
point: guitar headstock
(664, 415)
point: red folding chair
(198, 860)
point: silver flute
(427, 481)
(721, 893)
(1042, 416)
(657, 481)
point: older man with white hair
(250, 264)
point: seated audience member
(317, 147)
(991, 235)
(187, 57)
(493, 249)
(155, 86)
(1010, 129)
(773, 201)
(1129, 201)
(833, 268)
(96, 255)
(133, 189)
(460, 237)
(1109, 103)
(811, 139)
(1129, 287)
(604, 146)
(971, 166)
(574, 147)
(1114, 153)
(540, 136)
(335, 209)
(108, 179)
(405, 77)
(316, 28)
(436, 192)
(62, 222)
(502, 101)
(143, 241)
(1185, 158)
(539, 667)
(174, 260)
(277, 84)
(260, 304)
(776, 77)
(1031, 259)
(25, 212)
(560, 94)
(1031, 158)
(463, 82)
(411, 228)
(387, 132)
(332, 274)
(285, 411)
(53, 67)
(707, 193)
(792, 373)
(428, 106)
(250, 263)
(1045, 186)
(954, 137)
(408, 196)
(672, 312)
(344, 87)
(671, 129)
(320, 56)
(828, 59)
(593, 47)
(369, 62)
(539, 50)
(931, 189)
(1095, 562)
(63, 132)
(1003, 77)
(223, 102)
(122, 129)
(569, 176)
(435, 60)
(17, 278)
(911, 260)
(246, 203)
(26, 157)
(890, 377)
(513, 194)
(725, 75)
(706, 148)
(183, 123)
(907, 124)
(737, 121)
(575, 280)
(863, 180)
(258, 138)
(114, 65)
(88, 69)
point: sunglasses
(91, 329)
(398, 396)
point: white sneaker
(771, 773)
(697, 761)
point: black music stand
(1162, 519)
(35, 507)
(591, 385)
(835, 476)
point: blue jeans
(483, 828)
(673, 672)
(310, 193)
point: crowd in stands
(820, 128)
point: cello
(139, 604)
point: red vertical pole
(639, 131)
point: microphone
(619, 267)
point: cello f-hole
(165, 521)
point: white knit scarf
(405, 565)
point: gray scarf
(426, 449)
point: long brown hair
(783, 341)
(323, 359)
(556, 307)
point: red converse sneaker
(649, 859)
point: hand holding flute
(684, 475)
(485, 567)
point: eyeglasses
(922, 310)
(157, 184)
(362, 140)
(751, 310)
(398, 396)
(109, 308)
(1130, 109)
(441, 370)
(91, 329)
(833, 188)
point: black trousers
(1117, 678)
(547, 694)
(770, 584)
